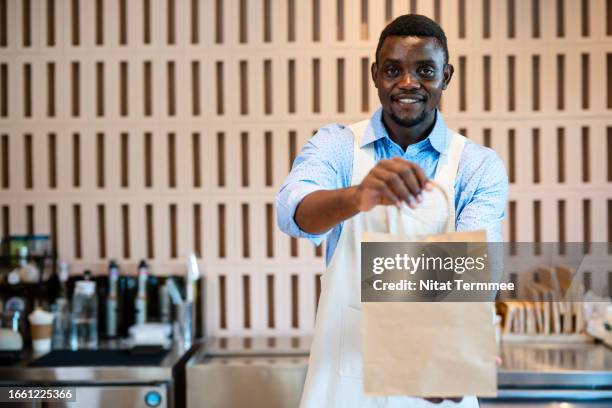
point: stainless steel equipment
(108, 386)
(269, 372)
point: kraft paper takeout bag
(429, 349)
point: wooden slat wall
(124, 85)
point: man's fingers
(410, 174)
(395, 183)
(387, 195)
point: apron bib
(335, 375)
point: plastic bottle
(84, 328)
(111, 300)
(141, 297)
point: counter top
(21, 372)
(578, 365)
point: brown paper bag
(429, 349)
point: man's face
(410, 76)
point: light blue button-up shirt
(326, 163)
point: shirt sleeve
(324, 163)
(483, 192)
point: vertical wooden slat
(195, 21)
(560, 13)
(123, 22)
(244, 158)
(291, 86)
(246, 243)
(171, 88)
(125, 157)
(340, 85)
(50, 89)
(462, 83)
(28, 162)
(220, 91)
(244, 88)
(221, 159)
(197, 229)
(221, 229)
(3, 23)
(197, 162)
(561, 222)
(561, 155)
(4, 90)
(125, 230)
(268, 158)
(535, 75)
(536, 154)
(148, 159)
(295, 312)
(560, 81)
(316, 20)
(173, 232)
(170, 22)
(584, 21)
(222, 302)
(53, 227)
(148, 88)
(243, 21)
(172, 160)
(76, 160)
(537, 225)
(27, 90)
(100, 160)
(30, 228)
(511, 83)
(585, 62)
(365, 84)
(75, 22)
(267, 87)
(195, 88)
(6, 164)
(246, 295)
(270, 296)
(150, 231)
(146, 21)
(218, 21)
(76, 222)
(535, 19)
(100, 88)
(291, 20)
(101, 231)
(316, 85)
(511, 156)
(52, 151)
(486, 62)
(586, 224)
(75, 86)
(26, 23)
(339, 20)
(586, 156)
(269, 231)
(99, 22)
(511, 15)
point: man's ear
(374, 71)
(448, 74)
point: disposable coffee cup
(41, 328)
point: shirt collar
(437, 137)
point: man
(349, 179)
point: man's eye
(392, 71)
(427, 71)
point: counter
(230, 371)
(128, 384)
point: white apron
(335, 375)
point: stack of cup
(41, 326)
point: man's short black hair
(413, 25)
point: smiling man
(347, 180)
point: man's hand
(440, 400)
(389, 183)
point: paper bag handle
(399, 210)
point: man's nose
(408, 81)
